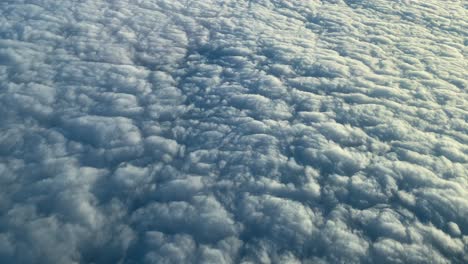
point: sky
(223, 131)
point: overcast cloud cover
(233, 131)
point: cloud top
(160, 131)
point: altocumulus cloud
(221, 131)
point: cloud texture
(219, 131)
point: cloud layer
(261, 131)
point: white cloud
(161, 131)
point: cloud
(265, 131)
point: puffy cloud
(160, 131)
